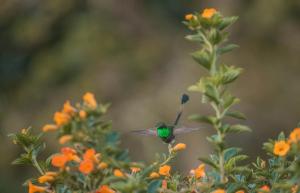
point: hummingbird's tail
(184, 99)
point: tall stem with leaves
(209, 31)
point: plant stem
(37, 166)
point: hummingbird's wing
(145, 132)
(182, 130)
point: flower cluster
(90, 160)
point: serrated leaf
(226, 48)
(229, 101)
(203, 58)
(227, 21)
(230, 152)
(231, 163)
(236, 114)
(212, 93)
(238, 129)
(204, 119)
(194, 37)
(209, 162)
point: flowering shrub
(90, 160)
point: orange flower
(90, 100)
(219, 191)
(82, 114)
(208, 13)
(118, 173)
(265, 188)
(189, 17)
(86, 167)
(200, 171)
(165, 170)
(65, 138)
(154, 175)
(59, 160)
(240, 191)
(70, 153)
(49, 127)
(295, 136)
(281, 148)
(105, 189)
(68, 108)
(135, 169)
(45, 178)
(33, 188)
(90, 154)
(61, 118)
(102, 165)
(179, 146)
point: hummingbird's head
(160, 124)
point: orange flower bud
(105, 189)
(165, 170)
(82, 114)
(61, 118)
(179, 146)
(90, 100)
(154, 175)
(45, 178)
(265, 188)
(208, 13)
(118, 173)
(49, 127)
(189, 17)
(219, 191)
(102, 165)
(68, 108)
(64, 139)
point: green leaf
(153, 186)
(238, 129)
(230, 74)
(203, 58)
(212, 93)
(231, 163)
(236, 114)
(230, 152)
(209, 162)
(226, 48)
(204, 119)
(281, 137)
(215, 36)
(227, 21)
(229, 101)
(23, 160)
(194, 37)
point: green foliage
(91, 160)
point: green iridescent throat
(163, 132)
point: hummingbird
(167, 132)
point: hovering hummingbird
(167, 132)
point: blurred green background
(133, 53)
